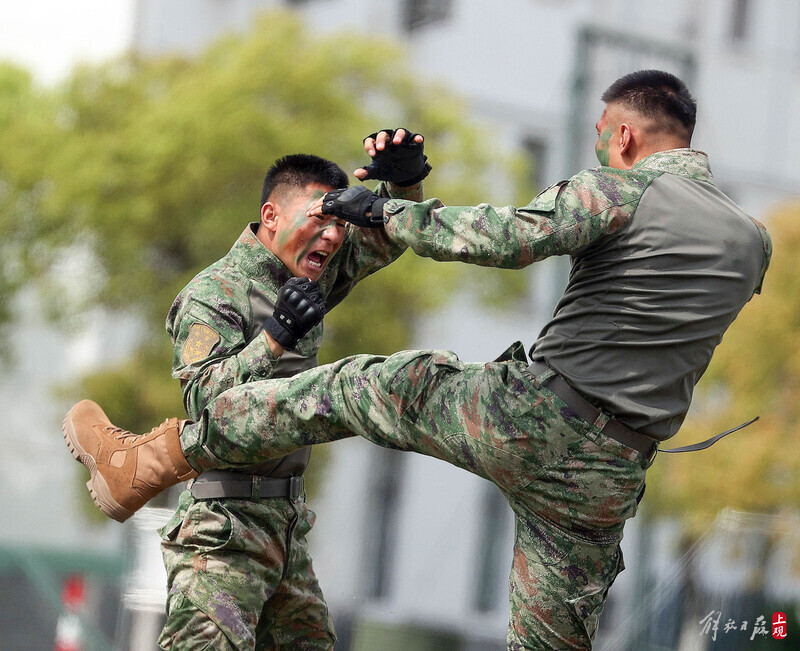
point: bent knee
(188, 627)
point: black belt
(588, 412)
(220, 484)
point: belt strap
(614, 428)
(591, 414)
(702, 445)
(221, 485)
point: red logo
(779, 626)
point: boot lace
(123, 434)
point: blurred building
(406, 546)
(531, 68)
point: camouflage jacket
(216, 321)
(662, 262)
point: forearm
(484, 235)
(563, 219)
(274, 347)
(255, 362)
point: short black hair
(657, 95)
(299, 170)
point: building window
(740, 17)
(418, 13)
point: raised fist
(300, 306)
(402, 163)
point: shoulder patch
(200, 342)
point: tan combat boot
(126, 469)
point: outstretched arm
(563, 219)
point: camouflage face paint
(321, 225)
(311, 242)
(297, 220)
(601, 147)
(305, 244)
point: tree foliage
(121, 184)
(755, 372)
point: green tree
(144, 171)
(27, 129)
(755, 372)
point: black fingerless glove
(353, 204)
(403, 164)
(300, 306)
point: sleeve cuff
(258, 358)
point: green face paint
(311, 242)
(296, 220)
(601, 147)
(321, 228)
(321, 225)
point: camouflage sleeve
(563, 219)
(366, 250)
(211, 354)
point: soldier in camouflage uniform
(239, 575)
(662, 262)
(239, 572)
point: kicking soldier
(662, 263)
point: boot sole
(97, 485)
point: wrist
(407, 183)
(376, 211)
(274, 347)
(279, 334)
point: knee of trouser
(559, 585)
(188, 627)
(411, 376)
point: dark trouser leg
(296, 617)
(558, 586)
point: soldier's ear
(269, 216)
(625, 138)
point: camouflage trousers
(239, 576)
(571, 487)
